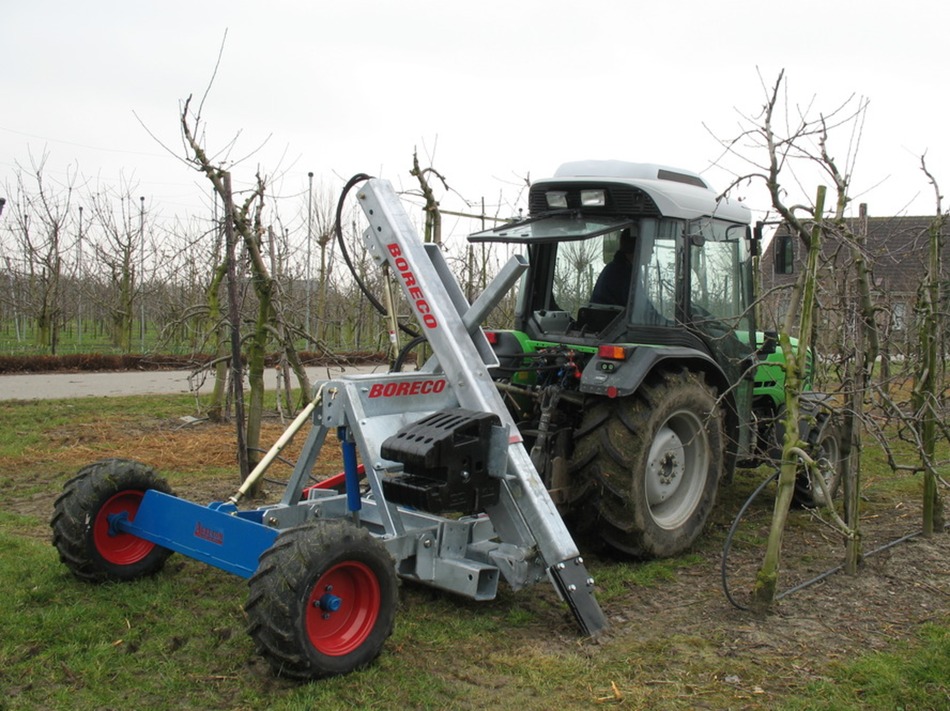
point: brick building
(896, 250)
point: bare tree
(40, 216)
(118, 251)
(245, 221)
(804, 139)
(931, 371)
(433, 224)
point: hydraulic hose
(727, 546)
(338, 231)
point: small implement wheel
(322, 601)
(83, 525)
(824, 445)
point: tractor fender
(619, 378)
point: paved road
(52, 386)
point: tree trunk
(766, 581)
(925, 392)
(237, 378)
(218, 331)
(256, 351)
(862, 367)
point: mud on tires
(323, 600)
(81, 529)
(648, 466)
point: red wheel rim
(117, 547)
(354, 590)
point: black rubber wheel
(87, 544)
(824, 445)
(648, 466)
(323, 600)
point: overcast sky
(491, 91)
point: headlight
(557, 198)
(592, 198)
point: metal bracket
(576, 588)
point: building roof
(896, 251)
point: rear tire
(648, 466)
(87, 543)
(323, 600)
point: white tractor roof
(676, 192)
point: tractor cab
(639, 254)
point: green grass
(96, 338)
(914, 676)
(178, 640)
(27, 425)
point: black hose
(727, 546)
(404, 353)
(338, 230)
(832, 571)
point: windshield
(576, 270)
(718, 292)
(593, 280)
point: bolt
(427, 543)
(560, 566)
(578, 561)
(572, 588)
(272, 521)
(590, 582)
(326, 615)
(329, 588)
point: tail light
(611, 352)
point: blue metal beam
(218, 534)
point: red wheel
(115, 546)
(85, 518)
(342, 608)
(323, 600)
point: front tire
(87, 541)
(649, 465)
(323, 600)
(824, 445)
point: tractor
(635, 370)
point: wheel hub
(666, 466)
(344, 605)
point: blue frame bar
(218, 534)
(351, 471)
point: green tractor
(634, 369)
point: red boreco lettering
(412, 286)
(405, 388)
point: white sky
(496, 90)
